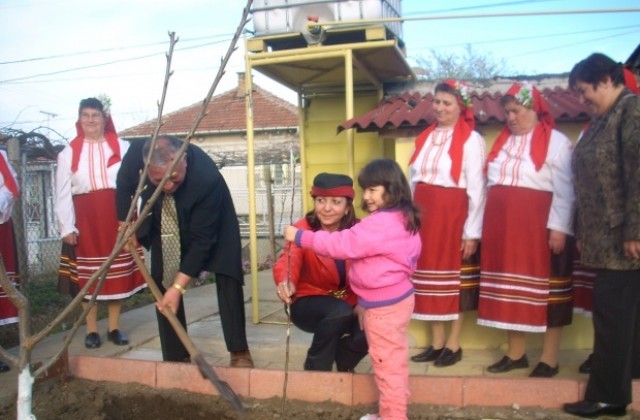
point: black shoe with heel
(429, 355)
(117, 337)
(448, 357)
(92, 341)
(543, 370)
(592, 409)
(585, 367)
(506, 364)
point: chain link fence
(38, 240)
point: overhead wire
(112, 49)
(512, 39)
(155, 54)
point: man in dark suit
(209, 237)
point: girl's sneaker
(370, 417)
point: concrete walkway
(267, 343)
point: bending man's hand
(132, 243)
(170, 300)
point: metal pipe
(251, 180)
(348, 94)
(471, 16)
(299, 52)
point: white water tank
(282, 16)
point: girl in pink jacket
(383, 249)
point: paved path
(266, 340)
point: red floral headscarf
(461, 131)
(529, 96)
(109, 134)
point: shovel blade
(223, 387)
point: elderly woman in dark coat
(607, 184)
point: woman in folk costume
(583, 276)
(525, 277)
(86, 212)
(8, 195)
(448, 185)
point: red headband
(343, 191)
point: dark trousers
(232, 318)
(230, 306)
(616, 323)
(336, 334)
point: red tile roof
(225, 112)
(411, 110)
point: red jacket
(310, 273)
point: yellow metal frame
(344, 51)
(359, 71)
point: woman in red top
(8, 195)
(321, 301)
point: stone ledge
(343, 388)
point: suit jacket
(312, 274)
(209, 231)
(606, 165)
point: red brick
(114, 370)
(526, 392)
(442, 390)
(364, 390)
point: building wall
(326, 151)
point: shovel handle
(171, 317)
(207, 371)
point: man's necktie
(170, 235)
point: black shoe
(506, 364)
(543, 370)
(585, 367)
(592, 409)
(92, 341)
(118, 338)
(448, 357)
(429, 355)
(4, 367)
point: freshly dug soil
(88, 400)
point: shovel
(196, 357)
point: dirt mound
(88, 400)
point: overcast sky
(56, 52)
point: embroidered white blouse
(513, 167)
(433, 166)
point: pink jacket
(383, 255)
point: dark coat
(606, 165)
(209, 231)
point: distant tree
(471, 65)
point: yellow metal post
(251, 180)
(348, 94)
